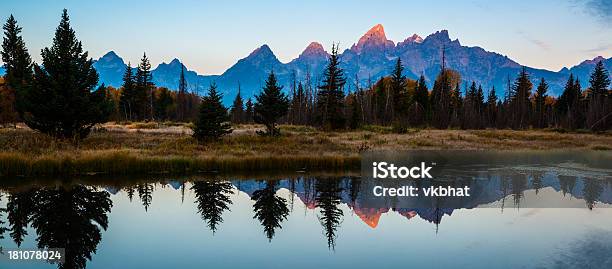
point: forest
(61, 97)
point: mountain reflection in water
(76, 216)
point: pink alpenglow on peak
(314, 49)
(375, 38)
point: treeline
(61, 97)
(403, 103)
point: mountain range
(372, 57)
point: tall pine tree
(181, 97)
(62, 101)
(237, 111)
(15, 56)
(540, 104)
(144, 85)
(212, 122)
(598, 117)
(520, 105)
(331, 94)
(270, 105)
(128, 99)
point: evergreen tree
(212, 199)
(540, 104)
(598, 117)
(128, 99)
(520, 105)
(249, 111)
(270, 105)
(237, 111)
(456, 103)
(163, 103)
(62, 101)
(328, 200)
(440, 100)
(15, 56)
(212, 121)
(398, 86)
(568, 106)
(181, 97)
(270, 209)
(144, 85)
(331, 94)
(420, 107)
(492, 108)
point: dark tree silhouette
(237, 111)
(328, 200)
(181, 97)
(212, 198)
(599, 113)
(270, 105)
(129, 101)
(213, 121)
(540, 104)
(145, 86)
(18, 67)
(19, 209)
(15, 56)
(249, 111)
(61, 100)
(331, 94)
(520, 105)
(71, 219)
(145, 193)
(270, 209)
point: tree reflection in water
(328, 200)
(68, 218)
(212, 198)
(269, 208)
(145, 193)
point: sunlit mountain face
(370, 58)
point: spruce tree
(270, 105)
(398, 85)
(598, 117)
(212, 122)
(540, 104)
(144, 85)
(128, 98)
(440, 100)
(331, 94)
(492, 108)
(15, 56)
(181, 97)
(62, 100)
(420, 107)
(249, 111)
(237, 111)
(520, 105)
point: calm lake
(545, 215)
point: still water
(550, 216)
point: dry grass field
(168, 148)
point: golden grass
(117, 149)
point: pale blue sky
(211, 36)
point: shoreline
(153, 148)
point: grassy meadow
(116, 148)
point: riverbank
(169, 148)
